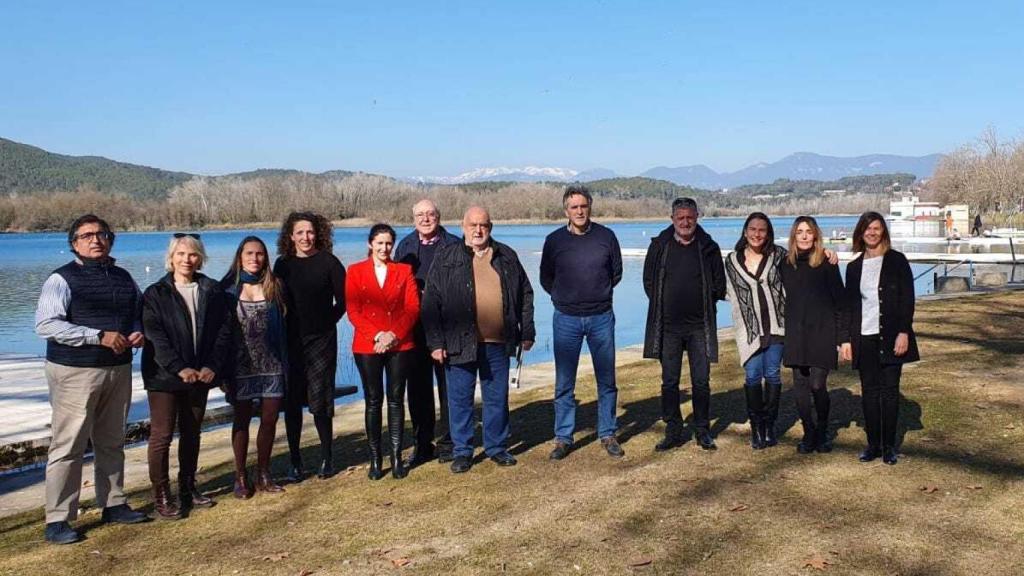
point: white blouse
(870, 274)
(381, 272)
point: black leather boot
(396, 430)
(373, 423)
(754, 413)
(190, 494)
(809, 442)
(771, 413)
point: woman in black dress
(815, 329)
(316, 301)
(880, 297)
(261, 360)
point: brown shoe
(243, 490)
(611, 446)
(164, 504)
(265, 483)
(190, 495)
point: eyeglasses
(179, 235)
(90, 236)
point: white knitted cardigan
(741, 289)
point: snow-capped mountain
(506, 174)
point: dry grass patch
(951, 506)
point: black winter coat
(167, 326)
(895, 306)
(712, 276)
(815, 314)
(448, 312)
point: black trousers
(185, 409)
(880, 394)
(372, 370)
(811, 397)
(422, 373)
(673, 344)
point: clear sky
(438, 88)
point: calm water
(27, 259)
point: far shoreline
(367, 222)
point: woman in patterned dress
(261, 360)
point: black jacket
(713, 283)
(895, 306)
(449, 301)
(408, 251)
(815, 313)
(167, 326)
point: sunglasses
(179, 235)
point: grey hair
(189, 241)
(577, 190)
(685, 204)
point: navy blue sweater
(580, 271)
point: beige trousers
(88, 404)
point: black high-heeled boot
(396, 430)
(771, 413)
(754, 409)
(373, 437)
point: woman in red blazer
(383, 306)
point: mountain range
(798, 166)
(28, 169)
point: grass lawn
(953, 505)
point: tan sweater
(490, 322)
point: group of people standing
(455, 311)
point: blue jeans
(492, 366)
(569, 332)
(765, 365)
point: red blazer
(372, 309)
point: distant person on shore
(684, 278)
(755, 289)
(316, 301)
(188, 344)
(90, 314)
(580, 265)
(880, 298)
(815, 329)
(418, 250)
(977, 228)
(260, 370)
(477, 309)
(383, 306)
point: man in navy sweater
(580, 266)
(90, 314)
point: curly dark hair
(321, 225)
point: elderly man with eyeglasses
(417, 249)
(89, 313)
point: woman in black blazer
(188, 342)
(815, 328)
(880, 297)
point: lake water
(26, 260)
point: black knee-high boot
(822, 404)
(293, 429)
(373, 424)
(755, 409)
(325, 430)
(773, 392)
(396, 430)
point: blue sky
(437, 88)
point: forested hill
(26, 169)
